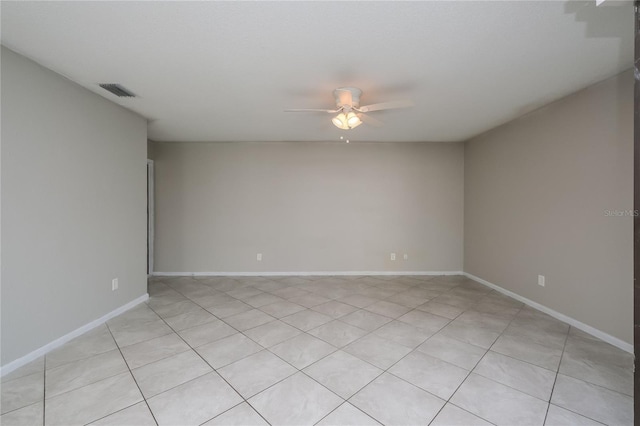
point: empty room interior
(331, 213)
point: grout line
(210, 366)
(144, 398)
(194, 348)
(393, 364)
(478, 362)
(343, 403)
(417, 286)
(566, 338)
(90, 383)
(472, 369)
(297, 369)
(558, 373)
(521, 360)
(473, 414)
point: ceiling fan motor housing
(355, 96)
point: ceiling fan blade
(370, 120)
(330, 111)
(345, 97)
(387, 105)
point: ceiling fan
(350, 113)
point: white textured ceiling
(225, 71)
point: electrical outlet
(405, 256)
(114, 284)
(541, 280)
(259, 257)
(392, 256)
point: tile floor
(327, 351)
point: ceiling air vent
(117, 90)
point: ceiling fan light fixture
(346, 121)
(353, 120)
(340, 121)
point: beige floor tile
(557, 416)
(388, 309)
(136, 415)
(281, 309)
(403, 334)
(431, 374)
(453, 351)
(451, 415)
(272, 333)
(170, 372)
(240, 415)
(297, 400)
(377, 351)
(262, 299)
(440, 309)
(347, 414)
(26, 416)
(338, 333)
(256, 372)
(528, 378)
(334, 309)
(525, 349)
(227, 309)
(309, 300)
(358, 300)
(343, 373)
(597, 362)
(92, 402)
(93, 342)
(424, 320)
(20, 392)
(177, 308)
(302, 350)
(194, 402)
(499, 404)
(248, 319)
(228, 350)
(592, 401)
(36, 366)
(83, 372)
(153, 350)
(189, 319)
(130, 334)
(307, 319)
(393, 401)
(365, 320)
(206, 333)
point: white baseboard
(13, 365)
(571, 321)
(301, 273)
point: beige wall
(536, 192)
(73, 206)
(308, 206)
